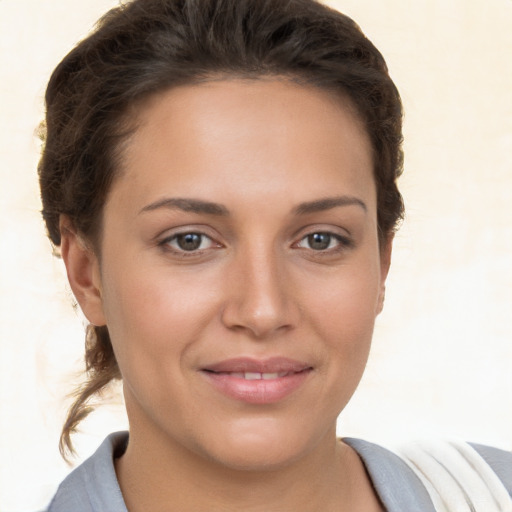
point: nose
(260, 300)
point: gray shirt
(93, 486)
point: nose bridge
(259, 299)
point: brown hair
(146, 46)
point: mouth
(275, 366)
(257, 381)
(254, 375)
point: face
(240, 270)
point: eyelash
(166, 243)
(342, 243)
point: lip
(248, 364)
(283, 376)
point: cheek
(153, 316)
(343, 316)
(348, 301)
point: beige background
(441, 362)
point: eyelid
(330, 229)
(333, 236)
(344, 238)
(163, 241)
(176, 237)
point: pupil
(189, 242)
(319, 241)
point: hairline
(131, 120)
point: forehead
(241, 100)
(248, 137)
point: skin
(256, 287)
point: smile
(256, 375)
(257, 382)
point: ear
(83, 272)
(385, 262)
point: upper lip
(247, 364)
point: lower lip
(258, 391)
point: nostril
(258, 300)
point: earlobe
(83, 272)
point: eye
(323, 241)
(188, 242)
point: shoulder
(93, 486)
(499, 460)
(433, 475)
(397, 486)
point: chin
(255, 457)
(261, 448)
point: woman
(220, 178)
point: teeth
(256, 375)
(259, 376)
(252, 376)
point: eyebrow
(209, 208)
(327, 203)
(187, 205)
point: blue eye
(322, 241)
(189, 242)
